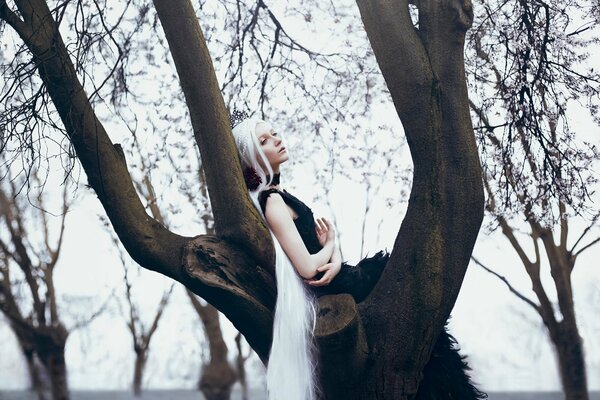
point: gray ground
(257, 395)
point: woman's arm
(333, 267)
(336, 257)
(282, 225)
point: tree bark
(138, 371)
(236, 218)
(51, 348)
(424, 70)
(340, 331)
(565, 334)
(217, 270)
(35, 378)
(148, 242)
(571, 361)
(57, 369)
(34, 366)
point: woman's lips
(282, 150)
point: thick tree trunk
(34, 367)
(138, 371)
(147, 241)
(424, 70)
(35, 375)
(236, 218)
(571, 361)
(217, 380)
(44, 349)
(57, 370)
(51, 347)
(565, 333)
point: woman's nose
(277, 141)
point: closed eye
(264, 140)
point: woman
(308, 264)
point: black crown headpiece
(237, 116)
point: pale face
(271, 145)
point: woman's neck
(276, 179)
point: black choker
(275, 181)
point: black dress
(445, 375)
(357, 280)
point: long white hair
(291, 370)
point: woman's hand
(331, 270)
(325, 230)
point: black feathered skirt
(445, 376)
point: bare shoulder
(274, 203)
(277, 212)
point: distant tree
(528, 69)
(141, 334)
(240, 362)
(217, 376)
(28, 297)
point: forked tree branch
(512, 289)
(13, 20)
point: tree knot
(464, 17)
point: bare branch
(587, 246)
(133, 315)
(509, 285)
(51, 296)
(585, 231)
(13, 20)
(507, 230)
(103, 307)
(159, 312)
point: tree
(37, 325)
(388, 339)
(240, 362)
(141, 335)
(528, 69)
(217, 376)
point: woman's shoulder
(263, 195)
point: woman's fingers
(322, 224)
(324, 267)
(325, 280)
(328, 224)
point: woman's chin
(284, 158)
